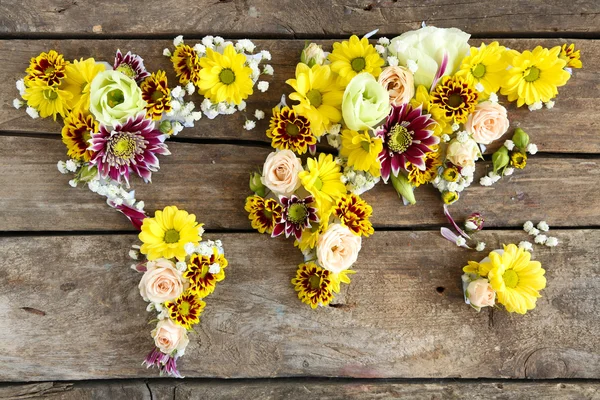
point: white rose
(426, 47)
(280, 172)
(337, 248)
(161, 281)
(480, 293)
(114, 97)
(463, 154)
(170, 337)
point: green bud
(256, 184)
(403, 187)
(87, 173)
(520, 138)
(500, 159)
(166, 127)
(312, 54)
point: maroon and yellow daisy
(290, 131)
(354, 213)
(263, 213)
(186, 64)
(78, 129)
(186, 309)
(202, 281)
(47, 67)
(156, 93)
(313, 284)
(456, 98)
(570, 55)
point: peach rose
(161, 281)
(400, 84)
(280, 172)
(170, 337)
(337, 248)
(463, 154)
(480, 293)
(488, 123)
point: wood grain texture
(212, 181)
(403, 316)
(571, 127)
(292, 18)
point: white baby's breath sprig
(249, 125)
(259, 114)
(526, 245)
(532, 148)
(263, 86)
(551, 241)
(543, 226)
(509, 144)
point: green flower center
(297, 213)
(479, 71)
(126, 70)
(455, 100)
(157, 95)
(358, 64)
(318, 184)
(49, 71)
(171, 236)
(400, 139)
(50, 94)
(227, 76)
(366, 146)
(314, 281)
(123, 147)
(532, 75)
(184, 308)
(292, 129)
(510, 278)
(86, 135)
(114, 98)
(315, 98)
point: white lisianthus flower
(365, 102)
(114, 97)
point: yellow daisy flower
(48, 100)
(416, 177)
(354, 56)
(456, 98)
(319, 95)
(516, 279)
(451, 174)
(313, 284)
(311, 236)
(79, 76)
(535, 75)
(202, 282)
(340, 277)
(263, 213)
(167, 232)
(78, 129)
(225, 77)
(354, 213)
(485, 65)
(362, 151)
(290, 131)
(443, 124)
(571, 56)
(322, 179)
(186, 64)
(49, 68)
(156, 94)
(186, 309)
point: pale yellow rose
(337, 248)
(463, 154)
(280, 172)
(400, 84)
(481, 294)
(161, 282)
(170, 337)
(488, 123)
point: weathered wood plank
(71, 308)
(292, 18)
(212, 181)
(191, 389)
(571, 127)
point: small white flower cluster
(464, 181)
(358, 182)
(18, 103)
(493, 177)
(539, 237)
(182, 113)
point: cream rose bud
(480, 293)
(280, 172)
(365, 102)
(463, 154)
(488, 122)
(400, 84)
(170, 337)
(161, 282)
(337, 248)
(114, 97)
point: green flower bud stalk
(87, 173)
(256, 184)
(403, 187)
(520, 139)
(500, 159)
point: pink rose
(488, 123)
(337, 248)
(280, 172)
(463, 154)
(400, 84)
(480, 293)
(161, 281)
(170, 337)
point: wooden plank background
(69, 302)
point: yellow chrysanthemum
(47, 100)
(354, 213)
(476, 268)
(455, 97)
(518, 159)
(313, 284)
(433, 161)
(451, 174)
(516, 279)
(322, 179)
(362, 151)
(311, 235)
(202, 282)
(186, 64)
(354, 56)
(157, 95)
(49, 68)
(290, 131)
(78, 129)
(263, 213)
(186, 309)
(319, 95)
(571, 56)
(79, 76)
(167, 232)
(225, 77)
(443, 124)
(534, 76)
(340, 277)
(485, 65)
